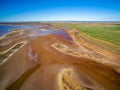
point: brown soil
(81, 73)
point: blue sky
(59, 10)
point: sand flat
(40, 66)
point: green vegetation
(110, 33)
(106, 32)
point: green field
(110, 33)
(106, 32)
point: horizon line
(60, 21)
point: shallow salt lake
(58, 32)
(7, 28)
(46, 32)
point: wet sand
(40, 66)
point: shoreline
(72, 53)
(14, 30)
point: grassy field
(106, 32)
(110, 33)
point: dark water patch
(64, 34)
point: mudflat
(53, 57)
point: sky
(59, 10)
